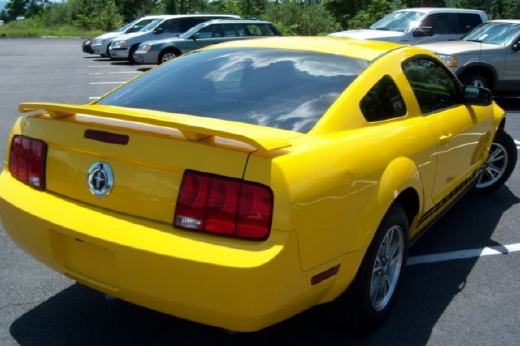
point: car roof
(439, 9)
(361, 49)
(168, 16)
(239, 21)
(511, 21)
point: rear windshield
(284, 89)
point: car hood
(130, 35)
(368, 34)
(166, 40)
(108, 35)
(458, 47)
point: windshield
(126, 26)
(493, 33)
(151, 25)
(193, 30)
(284, 89)
(398, 21)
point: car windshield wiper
(382, 28)
(478, 41)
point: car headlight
(98, 41)
(449, 60)
(119, 44)
(145, 47)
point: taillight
(27, 161)
(225, 206)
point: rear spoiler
(192, 128)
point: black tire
(166, 55)
(499, 165)
(131, 54)
(475, 79)
(368, 300)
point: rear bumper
(236, 285)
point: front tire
(368, 300)
(131, 54)
(167, 55)
(499, 165)
(475, 79)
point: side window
(438, 22)
(230, 30)
(383, 101)
(253, 30)
(189, 22)
(468, 21)
(434, 87)
(206, 32)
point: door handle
(446, 135)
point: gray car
(201, 35)
(488, 56)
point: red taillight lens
(226, 206)
(27, 161)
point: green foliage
(223, 6)
(293, 17)
(375, 11)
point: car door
(512, 64)
(460, 130)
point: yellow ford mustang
(243, 183)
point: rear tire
(499, 165)
(370, 297)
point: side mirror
(195, 36)
(158, 31)
(477, 96)
(423, 31)
(516, 46)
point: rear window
(284, 89)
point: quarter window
(434, 87)
(383, 101)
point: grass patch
(28, 28)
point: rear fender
(401, 174)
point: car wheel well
(165, 51)
(409, 199)
(131, 53)
(483, 71)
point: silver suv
(488, 56)
(420, 25)
(201, 35)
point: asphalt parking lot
(462, 285)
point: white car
(99, 45)
(420, 25)
(166, 26)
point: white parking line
(517, 144)
(462, 254)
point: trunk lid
(146, 152)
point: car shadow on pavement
(81, 316)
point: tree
(16, 7)
(376, 10)
(293, 17)
(132, 9)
